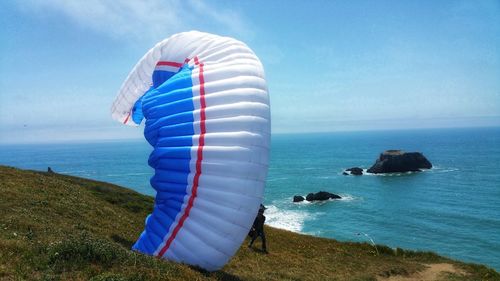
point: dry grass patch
(56, 227)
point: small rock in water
(321, 196)
(298, 198)
(310, 197)
(355, 171)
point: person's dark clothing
(258, 227)
(258, 224)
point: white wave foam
(439, 169)
(346, 197)
(344, 171)
(286, 219)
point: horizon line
(141, 138)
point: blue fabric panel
(169, 204)
(163, 218)
(167, 187)
(172, 108)
(137, 115)
(177, 88)
(172, 99)
(178, 80)
(151, 136)
(180, 165)
(167, 218)
(179, 129)
(168, 110)
(173, 96)
(171, 153)
(148, 242)
(160, 76)
(175, 141)
(174, 177)
(166, 197)
(184, 129)
(169, 196)
(138, 244)
(169, 96)
(183, 117)
(154, 230)
(171, 212)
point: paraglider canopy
(204, 98)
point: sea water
(452, 209)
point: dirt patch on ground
(431, 273)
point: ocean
(452, 209)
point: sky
(330, 65)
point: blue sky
(330, 65)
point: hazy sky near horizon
(330, 65)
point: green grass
(56, 227)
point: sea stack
(398, 161)
(321, 196)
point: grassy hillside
(55, 227)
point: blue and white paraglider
(205, 101)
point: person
(258, 229)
